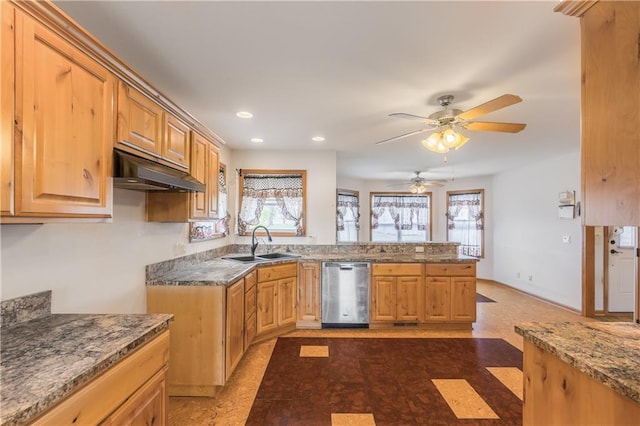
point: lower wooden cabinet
(276, 297)
(250, 305)
(235, 320)
(133, 391)
(309, 311)
(450, 293)
(396, 293)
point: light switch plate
(419, 249)
(566, 239)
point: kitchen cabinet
(396, 292)
(309, 309)
(63, 126)
(7, 111)
(450, 293)
(250, 305)
(133, 391)
(187, 206)
(145, 129)
(235, 324)
(610, 145)
(276, 299)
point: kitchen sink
(278, 255)
(244, 259)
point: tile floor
(494, 320)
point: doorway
(611, 273)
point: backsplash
(25, 308)
(430, 249)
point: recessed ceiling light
(257, 140)
(317, 139)
(244, 114)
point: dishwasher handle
(345, 266)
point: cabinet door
(199, 170)
(309, 292)
(611, 114)
(267, 305)
(148, 406)
(235, 326)
(438, 299)
(463, 298)
(287, 290)
(140, 122)
(7, 96)
(65, 112)
(249, 310)
(177, 142)
(383, 299)
(409, 298)
(212, 182)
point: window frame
(355, 194)
(429, 195)
(482, 233)
(302, 173)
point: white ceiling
(338, 69)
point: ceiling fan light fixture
(417, 188)
(462, 141)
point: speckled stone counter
(44, 360)
(225, 272)
(607, 352)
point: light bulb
(450, 138)
(441, 148)
(462, 141)
(432, 141)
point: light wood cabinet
(235, 321)
(250, 307)
(177, 142)
(64, 127)
(610, 145)
(133, 391)
(309, 309)
(7, 108)
(396, 292)
(185, 206)
(276, 296)
(450, 293)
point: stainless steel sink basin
(244, 259)
(278, 255)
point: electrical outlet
(419, 249)
(530, 278)
(566, 239)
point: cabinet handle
(87, 175)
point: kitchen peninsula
(581, 373)
(222, 306)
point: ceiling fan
(447, 120)
(419, 185)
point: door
(267, 303)
(383, 299)
(7, 108)
(408, 298)
(463, 298)
(199, 159)
(438, 299)
(235, 327)
(622, 268)
(177, 147)
(286, 297)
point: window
(399, 217)
(465, 221)
(272, 198)
(625, 236)
(347, 216)
(222, 224)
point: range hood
(140, 174)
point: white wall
(93, 267)
(527, 237)
(321, 188)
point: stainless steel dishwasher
(345, 294)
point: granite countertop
(225, 272)
(44, 360)
(607, 352)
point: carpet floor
(412, 381)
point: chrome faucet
(254, 242)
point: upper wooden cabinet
(610, 110)
(64, 128)
(7, 111)
(144, 128)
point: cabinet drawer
(277, 272)
(451, 269)
(249, 281)
(396, 269)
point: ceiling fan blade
(495, 127)
(402, 136)
(487, 107)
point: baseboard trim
(542, 299)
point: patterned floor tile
(511, 377)
(463, 399)
(346, 419)
(314, 351)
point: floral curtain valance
(271, 185)
(407, 211)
